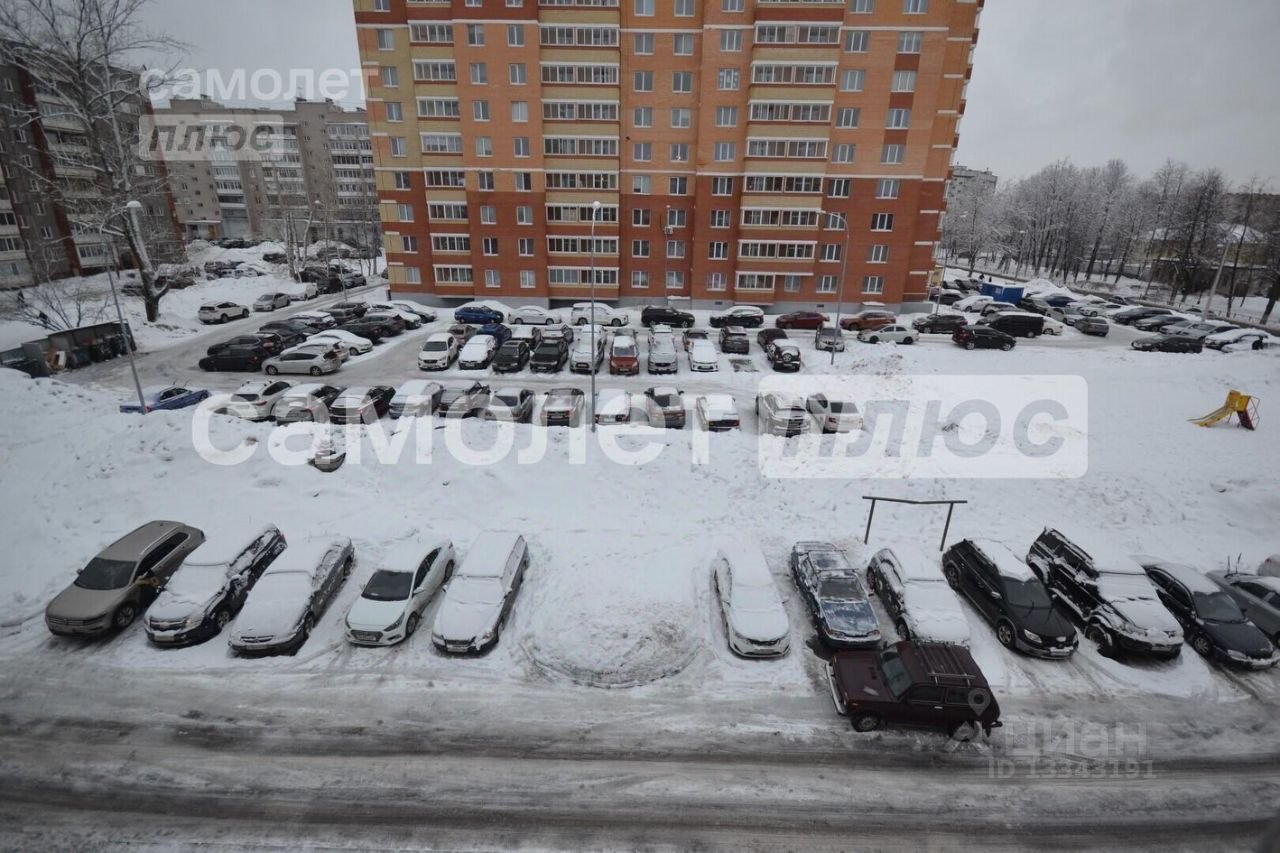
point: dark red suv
(930, 685)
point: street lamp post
(132, 209)
(844, 265)
(595, 208)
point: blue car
(497, 331)
(167, 397)
(478, 315)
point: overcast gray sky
(1086, 79)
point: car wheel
(315, 371)
(1004, 633)
(221, 618)
(346, 569)
(224, 318)
(1006, 347)
(1201, 645)
(1100, 637)
(964, 732)
(124, 617)
(353, 352)
(904, 633)
(908, 341)
(616, 322)
(874, 339)
(969, 345)
(448, 572)
(271, 370)
(582, 321)
(411, 626)
(308, 625)
(952, 576)
(866, 722)
(517, 321)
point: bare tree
(77, 53)
(57, 305)
(1113, 181)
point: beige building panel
(579, 93)
(588, 164)
(820, 94)
(438, 195)
(595, 55)
(571, 197)
(785, 167)
(784, 130)
(796, 53)
(578, 16)
(806, 202)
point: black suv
(1214, 624)
(733, 339)
(550, 356)
(371, 330)
(939, 323)
(1107, 593)
(270, 343)
(235, 357)
(982, 337)
(764, 337)
(654, 315)
(1009, 596)
(512, 356)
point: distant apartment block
(319, 171)
(962, 177)
(725, 140)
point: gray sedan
(1257, 595)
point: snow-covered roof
(917, 563)
(719, 405)
(415, 387)
(1007, 563)
(304, 556)
(302, 391)
(1107, 556)
(749, 565)
(488, 554)
(1193, 579)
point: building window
(390, 75)
(639, 279)
(524, 182)
(848, 117)
(525, 246)
(492, 278)
(644, 8)
(873, 284)
(639, 248)
(517, 74)
(515, 35)
(682, 81)
(676, 218)
(395, 111)
(853, 80)
(679, 186)
(888, 188)
(725, 152)
(404, 180)
(378, 6)
(643, 43)
(882, 222)
(386, 40)
(412, 275)
(520, 146)
(915, 7)
(524, 215)
(862, 7)
(642, 81)
(827, 284)
(857, 41)
(675, 279)
(728, 79)
(528, 279)
(679, 152)
(480, 110)
(479, 73)
(484, 146)
(731, 41)
(722, 185)
(684, 8)
(642, 152)
(475, 35)
(718, 250)
(641, 184)
(726, 116)
(892, 153)
(398, 148)
(642, 117)
(899, 119)
(520, 111)
(640, 217)
(831, 252)
(490, 246)
(721, 218)
(485, 180)
(682, 44)
(909, 42)
(681, 117)
(717, 281)
(838, 188)
(843, 152)
(878, 254)
(404, 212)
(733, 5)
(488, 214)
(408, 243)
(903, 81)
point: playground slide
(1241, 405)
(1216, 416)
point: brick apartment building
(711, 132)
(320, 170)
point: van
(1019, 324)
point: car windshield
(896, 677)
(1217, 607)
(510, 400)
(451, 395)
(624, 350)
(1029, 594)
(435, 346)
(247, 398)
(102, 573)
(388, 586)
(549, 349)
(466, 590)
(841, 589)
(839, 407)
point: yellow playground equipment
(1244, 407)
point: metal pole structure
(844, 265)
(595, 207)
(1222, 262)
(128, 343)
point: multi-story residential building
(318, 170)
(963, 178)
(713, 133)
(48, 188)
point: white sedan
(478, 352)
(703, 357)
(1052, 327)
(754, 618)
(533, 315)
(894, 333)
(834, 415)
(354, 344)
(392, 602)
(717, 413)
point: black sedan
(370, 330)
(1167, 343)
(512, 356)
(983, 337)
(939, 323)
(238, 357)
(268, 342)
(1210, 618)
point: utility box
(1011, 293)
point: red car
(802, 320)
(867, 320)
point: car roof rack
(943, 665)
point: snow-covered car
(464, 401)
(291, 595)
(1239, 339)
(662, 352)
(605, 315)
(995, 307)
(563, 331)
(562, 407)
(354, 344)
(424, 313)
(1258, 596)
(309, 290)
(478, 352)
(362, 404)
(221, 312)
(784, 355)
(391, 604)
(305, 402)
(717, 413)
(339, 351)
(665, 407)
(483, 591)
(438, 352)
(744, 316)
(915, 593)
(781, 413)
(160, 397)
(210, 587)
(834, 415)
(1052, 326)
(411, 319)
(513, 405)
(615, 406)
(246, 271)
(828, 339)
(533, 315)
(1068, 314)
(416, 398)
(703, 357)
(754, 619)
(271, 301)
(834, 595)
(321, 320)
(315, 362)
(972, 304)
(586, 357)
(624, 356)
(1107, 593)
(893, 333)
(255, 399)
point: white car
(248, 272)
(585, 358)
(438, 352)
(391, 604)
(834, 415)
(615, 406)
(355, 345)
(1067, 314)
(717, 412)
(754, 619)
(972, 304)
(703, 357)
(291, 594)
(894, 333)
(1239, 339)
(533, 315)
(605, 315)
(994, 307)
(309, 291)
(221, 312)
(478, 353)
(1052, 327)
(416, 398)
(911, 586)
(411, 318)
(305, 402)
(315, 361)
(255, 399)
(1091, 306)
(482, 593)
(423, 312)
(321, 347)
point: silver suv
(121, 581)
